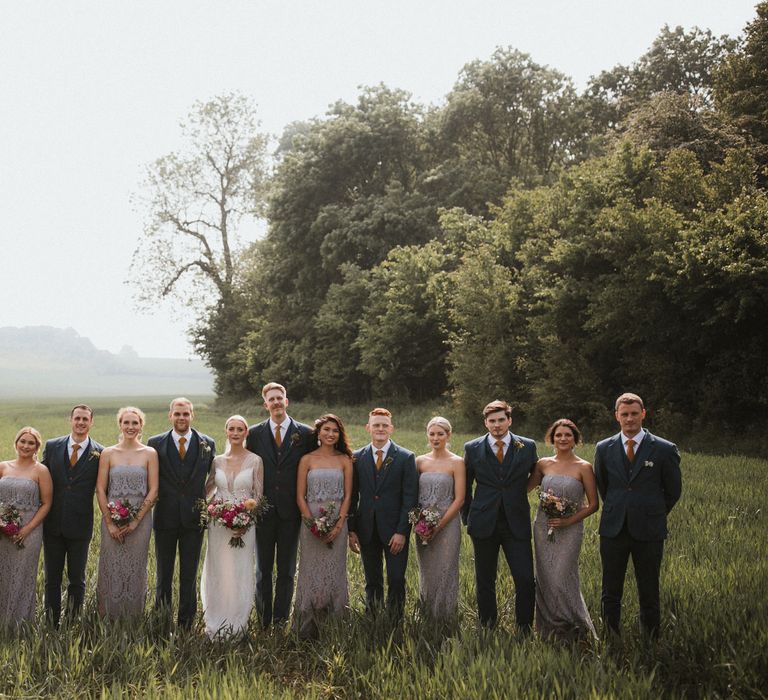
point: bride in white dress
(228, 585)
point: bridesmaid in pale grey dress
(442, 479)
(26, 484)
(560, 608)
(324, 479)
(128, 472)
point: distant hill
(42, 361)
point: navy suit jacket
(644, 498)
(181, 485)
(71, 513)
(499, 486)
(385, 498)
(280, 466)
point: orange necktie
(278, 438)
(630, 450)
(379, 454)
(182, 447)
(500, 450)
(73, 459)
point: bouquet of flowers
(234, 515)
(555, 507)
(10, 522)
(122, 512)
(424, 521)
(324, 522)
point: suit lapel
(287, 442)
(386, 463)
(618, 457)
(366, 467)
(165, 446)
(642, 454)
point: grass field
(714, 612)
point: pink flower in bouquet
(11, 529)
(422, 529)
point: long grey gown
(560, 607)
(18, 567)
(121, 590)
(321, 588)
(439, 558)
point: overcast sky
(92, 91)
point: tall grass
(714, 613)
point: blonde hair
(237, 416)
(444, 423)
(28, 430)
(272, 385)
(131, 409)
(184, 400)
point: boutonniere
(648, 464)
(387, 462)
(519, 445)
(295, 438)
(205, 447)
(95, 453)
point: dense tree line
(521, 240)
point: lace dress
(121, 589)
(439, 558)
(321, 588)
(560, 607)
(18, 567)
(228, 584)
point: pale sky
(92, 91)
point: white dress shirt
(83, 446)
(637, 438)
(507, 440)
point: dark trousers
(56, 551)
(188, 541)
(375, 553)
(646, 561)
(519, 556)
(275, 536)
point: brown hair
(184, 400)
(497, 405)
(627, 397)
(85, 407)
(272, 385)
(550, 434)
(342, 444)
(28, 430)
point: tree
(196, 200)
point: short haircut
(380, 412)
(496, 406)
(85, 407)
(272, 385)
(131, 409)
(628, 397)
(184, 400)
(28, 430)
(444, 423)
(549, 437)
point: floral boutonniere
(519, 445)
(94, 453)
(648, 464)
(205, 447)
(387, 462)
(295, 438)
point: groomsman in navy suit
(73, 461)
(638, 477)
(281, 442)
(185, 457)
(385, 489)
(498, 516)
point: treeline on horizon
(523, 240)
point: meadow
(714, 610)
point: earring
(318, 442)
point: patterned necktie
(500, 450)
(630, 450)
(182, 447)
(73, 459)
(278, 438)
(379, 455)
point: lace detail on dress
(321, 588)
(122, 584)
(560, 607)
(439, 559)
(19, 566)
